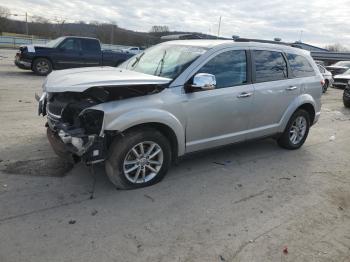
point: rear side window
(300, 66)
(269, 66)
(229, 68)
(90, 45)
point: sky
(318, 22)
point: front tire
(140, 158)
(42, 66)
(296, 130)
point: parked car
(328, 78)
(339, 67)
(133, 50)
(66, 52)
(180, 97)
(343, 80)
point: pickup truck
(67, 52)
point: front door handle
(244, 94)
(291, 88)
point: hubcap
(143, 162)
(297, 130)
(42, 67)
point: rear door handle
(244, 94)
(291, 88)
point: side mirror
(202, 82)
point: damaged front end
(75, 127)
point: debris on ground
(285, 250)
(332, 138)
(149, 197)
(39, 167)
(94, 212)
(218, 163)
(72, 222)
(222, 258)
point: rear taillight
(322, 82)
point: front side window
(269, 66)
(71, 45)
(229, 68)
(300, 66)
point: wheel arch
(305, 102)
(167, 131)
(162, 121)
(310, 109)
(42, 56)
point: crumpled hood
(80, 79)
(33, 48)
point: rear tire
(346, 101)
(325, 86)
(42, 66)
(296, 130)
(126, 170)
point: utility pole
(27, 31)
(301, 33)
(219, 26)
(112, 34)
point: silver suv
(179, 97)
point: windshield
(55, 42)
(164, 60)
(343, 63)
(347, 72)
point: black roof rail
(264, 41)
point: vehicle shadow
(226, 157)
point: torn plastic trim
(77, 142)
(89, 148)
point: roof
(215, 43)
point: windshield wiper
(137, 60)
(161, 63)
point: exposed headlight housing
(91, 120)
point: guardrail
(16, 41)
(331, 56)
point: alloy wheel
(42, 67)
(143, 162)
(298, 130)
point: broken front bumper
(23, 64)
(75, 147)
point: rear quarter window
(300, 66)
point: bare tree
(337, 48)
(4, 14)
